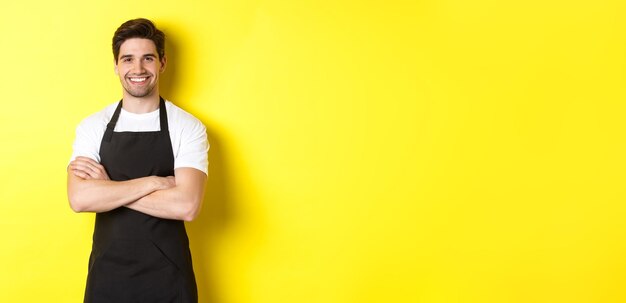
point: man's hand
(88, 169)
(180, 202)
(164, 182)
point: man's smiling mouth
(137, 79)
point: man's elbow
(190, 216)
(191, 211)
(77, 203)
(75, 195)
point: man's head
(138, 47)
(138, 28)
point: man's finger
(81, 174)
(86, 167)
(84, 172)
(89, 163)
(86, 159)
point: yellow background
(362, 151)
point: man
(141, 165)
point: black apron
(137, 257)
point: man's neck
(141, 105)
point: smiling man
(141, 165)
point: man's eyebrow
(130, 56)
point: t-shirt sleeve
(194, 147)
(86, 143)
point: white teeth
(137, 79)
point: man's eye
(126, 60)
(149, 59)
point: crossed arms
(177, 197)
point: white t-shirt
(188, 134)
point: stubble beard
(138, 92)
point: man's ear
(117, 72)
(163, 64)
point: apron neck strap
(116, 115)
(163, 115)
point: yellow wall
(362, 151)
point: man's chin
(139, 94)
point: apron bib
(137, 257)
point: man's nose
(138, 66)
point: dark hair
(138, 28)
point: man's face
(138, 67)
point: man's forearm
(181, 202)
(165, 204)
(104, 195)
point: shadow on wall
(210, 225)
(167, 82)
(205, 231)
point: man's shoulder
(181, 117)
